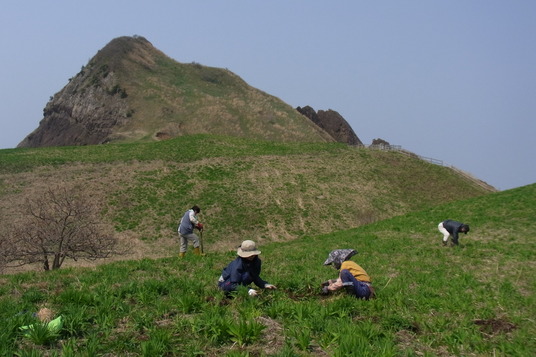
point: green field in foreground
(477, 299)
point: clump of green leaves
(40, 334)
(245, 331)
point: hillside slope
(246, 188)
(131, 91)
(477, 299)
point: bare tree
(58, 224)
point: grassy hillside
(477, 299)
(246, 188)
(186, 99)
(131, 92)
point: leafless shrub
(61, 222)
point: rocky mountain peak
(130, 91)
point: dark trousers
(360, 289)
(228, 287)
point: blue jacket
(453, 227)
(241, 272)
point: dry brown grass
(279, 197)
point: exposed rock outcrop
(88, 109)
(80, 116)
(380, 142)
(333, 123)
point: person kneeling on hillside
(351, 276)
(452, 228)
(244, 270)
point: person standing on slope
(351, 276)
(452, 228)
(186, 227)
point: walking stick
(201, 241)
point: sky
(452, 80)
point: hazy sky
(454, 80)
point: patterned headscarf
(338, 256)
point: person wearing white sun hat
(244, 270)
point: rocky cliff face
(88, 109)
(80, 115)
(333, 123)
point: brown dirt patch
(492, 327)
(45, 314)
(273, 335)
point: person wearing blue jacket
(452, 228)
(244, 270)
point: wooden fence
(398, 148)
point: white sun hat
(247, 249)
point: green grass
(268, 190)
(477, 299)
(181, 150)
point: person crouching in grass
(244, 270)
(351, 276)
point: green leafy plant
(301, 337)
(157, 345)
(245, 332)
(188, 303)
(214, 325)
(29, 353)
(77, 320)
(40, 334)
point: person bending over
(452, 228)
